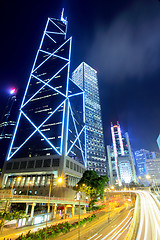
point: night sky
(120, 39)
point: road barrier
(135, 222)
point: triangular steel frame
(66, 96)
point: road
(101, 226)
(104, 230)
(117, 229)
(149, 226)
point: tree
(93, 185)
(10, 216)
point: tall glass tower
(86, 78)
(7, 125)
(51, 120)
(120, 158)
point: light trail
(117, 226)
(121, 229)
(149, 227)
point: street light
(148, 176)
(112, 187)
(59, 181)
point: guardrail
(135, 222)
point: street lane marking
(116, 227)
(121, 228)
(92, 236)
(98, 237)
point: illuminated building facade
(49, 137)
(120, 158)
(86, 78)
(7, 126)
(152, 167)
(141, 157)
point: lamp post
(148, 177)
(59, 181)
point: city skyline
(129, 90)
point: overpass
(53, 202)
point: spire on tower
(64, 20)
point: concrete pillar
(55, 210)
(73, 210)
(27, 207)
(32, 209)
(65, 210)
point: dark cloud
(130, 46)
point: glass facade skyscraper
(7, 126)
(50, 131)
(120, 158)
(141, 157)
(86, 78)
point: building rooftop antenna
(64, 20)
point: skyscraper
(141, 157)
(7, 125)
(120, 158)
(49, 137)
(86, 78)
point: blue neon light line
(26, 90)
(84, 156)
(77, 85)
(76, 131)
(51, 54)
(36, 127)
(49, 85)
(60, 57)
(48, 53)
(35, 62)
(84, 111)
(70, 46)
(84, 119)
(46, 84)
(67, 126)
(62, 46)
(62, 131)
(49, 32)
(50, 37)
(75, 140)
(76, 94)
(85, 147)
(56, 25)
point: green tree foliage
(93, 185)
(10, 216)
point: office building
(7, 125)
(120, 158)
(86, 78)
(49, 137)
(141, 156)
(152, 167)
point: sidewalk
(8, 231)
(12, 233)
